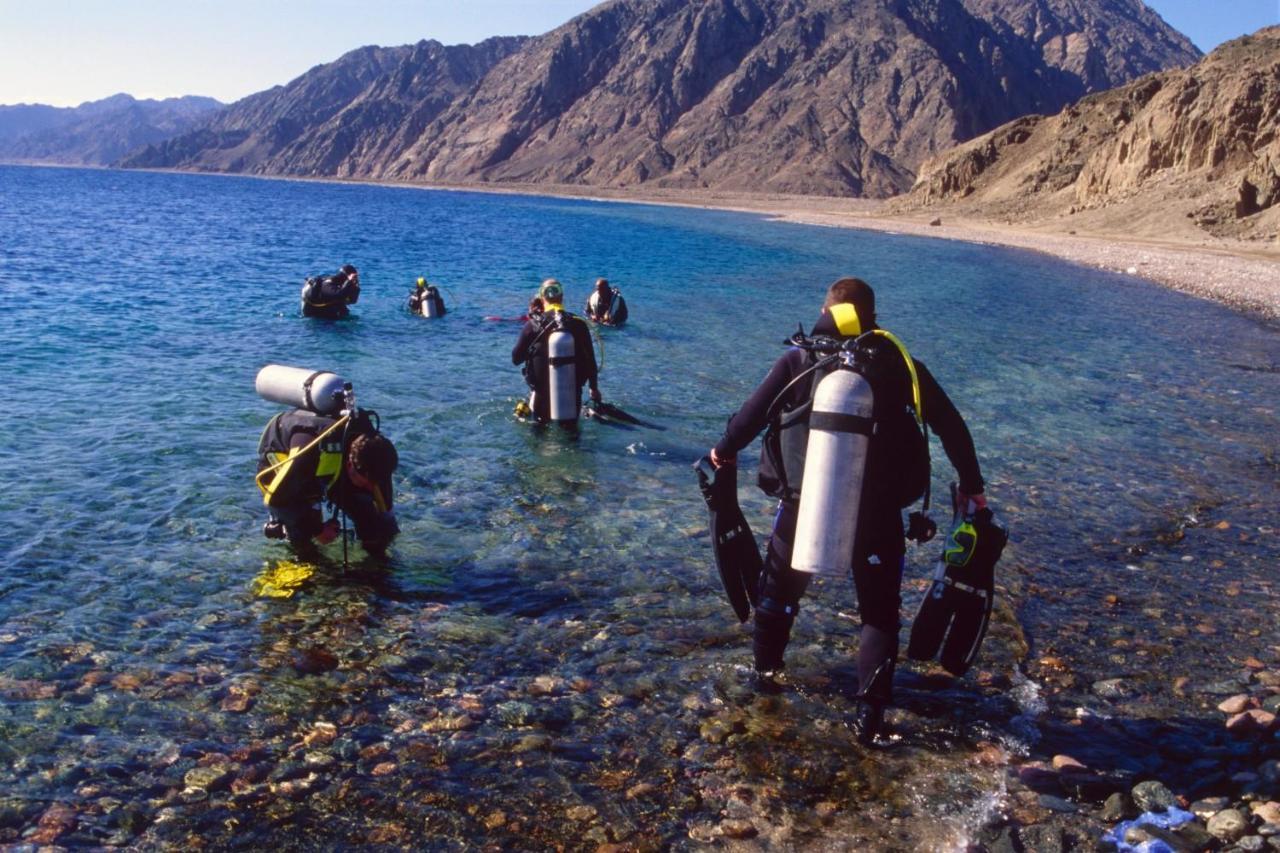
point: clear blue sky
(64, 52)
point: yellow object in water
(282, 580)
(523, 410)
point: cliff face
(338, 119)
(1186, 149)
(803, 96)
(95, 133)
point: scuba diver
(324, 450)
(426, 300)
(327, 297)
(556, 350)
(605, 305)
(843, 474)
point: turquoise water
(546, 660)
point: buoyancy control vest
(897, 468)
(306, 470)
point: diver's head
(422, 282)
(371, 461)
(535, 305)
(349, 271)
(551, 292)
(602, 285)
(855, 292)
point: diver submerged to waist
(558, 359)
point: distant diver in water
(324, 450)
(559, 359)
(426, 300)
(605, 305)
(844, 452)
(327, 297)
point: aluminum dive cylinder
(563, 382)
(840, 427)
(314, 390)
(430, 306)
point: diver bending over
(894, 477)
(305, 458)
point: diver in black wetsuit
(426, 294)
(304, 472)
(531, 349)
(327, 297)
(881, 546)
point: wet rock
(314, 660)
(532, 743)
(1043, 838)
(1228, 825)
(1268, 812)
(642, 789)
(1112, 688)
(1209, 806)
(1057, 804)
(1252, 843)
(237, 700)
(319, 761)
(57, 820)
(582, 813)
(1251, 723)
(288, 770)
(738, 829)
(1272, 704)
(1235, 704)
(1067, 763)
(320, 734)
(1118, 807)
(493, 820)
(515, 714)
(212, 778)
(1193, 835)
(1152, 796)
(1038, 777)
(547, 685)
(386, 768)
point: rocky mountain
(1194, 151)
(838, 97)
(338, 119)
(96, 133)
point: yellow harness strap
(911, 368)
(327, 467)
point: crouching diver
(558, 357)
(327, 296)
(861, 457)
(426, 300)
(324, 450)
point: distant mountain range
(97, 133)
(835, 97)
(1184, 152)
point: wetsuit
(418, 297)
(329, 296)
(609, 308)
(877, 568)
(297, 488)
(531, 351)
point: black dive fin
(736, 554)
(953, 617)
(611, 411)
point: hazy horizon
(76, 52)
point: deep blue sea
(547, 659)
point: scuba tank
(314, 390)
(840, 427)
(431, 304)
(562, 381)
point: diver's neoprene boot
(868, 721)
(769, 640)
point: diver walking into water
(426, 300)
(556, 350)
(844, 454)
(327, 297)
(324, 450)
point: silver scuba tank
(562, 384)
(840, 429)
(429, 306)
(314, 390)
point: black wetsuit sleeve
(752, 418)
(944, 419)
(520, 352)
(586, 366)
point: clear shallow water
(547, 659)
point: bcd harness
(284, 477)
(897, 428)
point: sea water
(547, 658)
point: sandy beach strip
(1243, 276)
